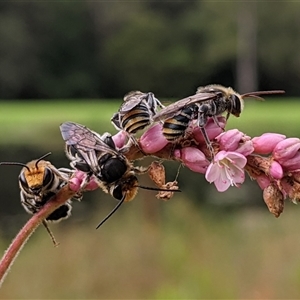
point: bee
(97, 155)
(39, 181)
(136, 112)
(209, 101)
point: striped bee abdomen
(136, 119)
(175, 127)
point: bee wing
(82, 137)
(86, 142)
(131, 100)
(174, 108)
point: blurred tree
(105, 49)
(246, 66)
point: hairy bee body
(209, 101)
(98, 156)
(39, 181)
(136, 112)
(175, 127)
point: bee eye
(236, 105)
(117, 192)
(23, 180)
(48, 176)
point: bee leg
(207, 141)
(135, 142)
(217, 122)
(141, 170)
(50, 233)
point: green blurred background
(74, 61)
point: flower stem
(22, 237)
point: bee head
(35, 175)
(236, 104)
(125, 188)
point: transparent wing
(174, 108)
(82, 138)
(131, 100)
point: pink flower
(153, 139)
(193, 158)
(286, 149)
(81, 181)
(266, 143)
(230, 139)
(276, 170)
(211, 128)
(292, 164)
(263, 181)
(235, 140)
(120, 139)
(226, 170)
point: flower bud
(266, 143)
(245, 148)
(286, 149)
(229, 140)
(211, 128)
(81, 180)
(276, 170)
(193, 158)
(153, 139)
(120, 139)
(292, 164)
(263, 181)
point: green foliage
(105, 49)
(36, 123)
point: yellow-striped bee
(208, 102)
(39, 181)
(136, 112)
(97, 155)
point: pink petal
(266, 143)
(263, 181)
(229, 140)
(120, 139)
(239, 159)
(276, 170)
(75, 184)
(153, 139)
(211, 129)
(222, 184)
(286, 149)
(194, 159)
(212, 172)
(292, 164)
(246, 148)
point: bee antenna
(254, 94)
(15, 163)
(156, 189)
(112, 212)
(41, 158)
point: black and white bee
(209, 102)
(39, 181)
(136, 112)
(98, 156)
